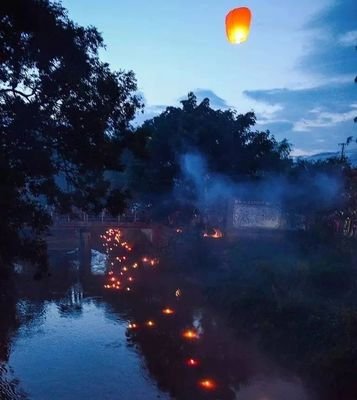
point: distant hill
(351, 154)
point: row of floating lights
(112, 239)
(237, 30)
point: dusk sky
(296, 71)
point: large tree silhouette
(226, 140)
(64, 116)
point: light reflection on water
(61, 357)
(71, 342)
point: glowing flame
(216, 235)
(192, 362)
(207, 384)
(150, 323)
(132, 326)
(168, 311)
(190, 334)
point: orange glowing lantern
(190, 334)
(238, 25)
(168, 311)
(150, 324)
(192, 362)
(217, 234)
(207, 384)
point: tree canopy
(224, 138)
(64, 114)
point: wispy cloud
(348, 39)
(296, 152)
(314, 119)
(216, 101)
(324, 119)
(330, 53)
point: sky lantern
(238, 25)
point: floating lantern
(168, 311)
(192, 362)
(207, 384)
(132, 326)
(150, 323)
(217, 234)
(190, 334)
(238, 25)
(178, 293)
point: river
(76, 335)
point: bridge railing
(105, 219)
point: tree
(355, 119)
(225, 139)
(64, 115)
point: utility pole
(343, 145)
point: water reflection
(70, 338)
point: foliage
(317, 187)
(225, 139)
(299, 304)
(65, 117)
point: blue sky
(296, 71)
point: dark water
(80, 356)
(67, 338)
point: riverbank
(296, 297)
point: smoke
(207, 188)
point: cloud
(319, 115)
(216, 102)
(331, 52)
(296, 152)
(151, 111)
(313, 119)
(323, 119)
(348, 39)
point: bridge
(66, 233)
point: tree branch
(18, 92)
